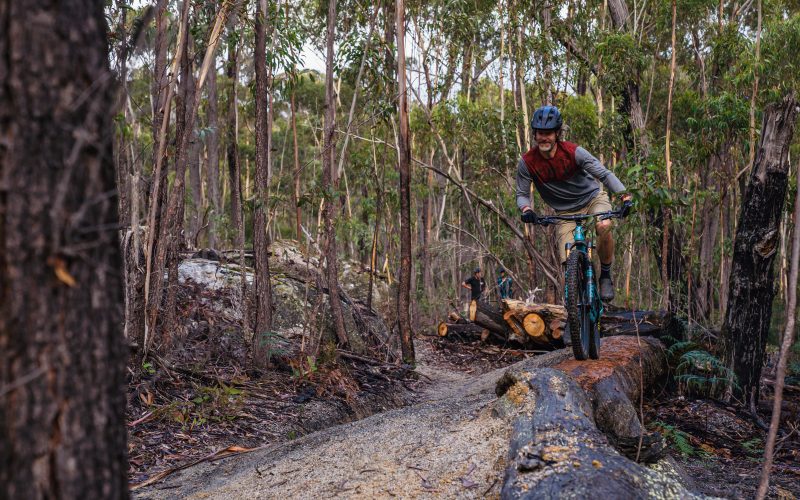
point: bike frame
(581, 244)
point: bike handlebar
(611, 214)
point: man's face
(546, 140)
(478, 275)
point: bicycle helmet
(546, 118)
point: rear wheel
(578, 304)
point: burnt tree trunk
(752, 288)
(329, 183)
(260, 242)
(62, 357)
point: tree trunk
(62, 357)
(263, 157)
(234, 166)
(171, 231)
(329, 182)
(212, 156)
(468, 331)
(298, 213)
(403, 166)
(786, 346)
(747, 320)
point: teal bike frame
(580, 244)
(582, 302)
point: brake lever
(546, 221)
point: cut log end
(534, 325)
(473, 310)
(442, 329)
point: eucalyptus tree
(330, 181)
(403, 167)
(263, 166)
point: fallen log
(483, 315)
(468, 330)
(567, 421)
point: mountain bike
(581, 294)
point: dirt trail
(446, 445)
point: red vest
(560, 167)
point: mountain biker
(566, 176)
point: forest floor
(203, 402)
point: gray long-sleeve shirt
(573, 193)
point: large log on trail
(483, 315)
(568, 420)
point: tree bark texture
(232, 140)
(752, 278)
(260, 241)
(212, 157)
(403, 167)
(62, 357)
(329, 183)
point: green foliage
(754, 446)
(274, 343)
(148, 368)
(580, 115)
(621, 56)
(700, 373)
(209, 404)
(682, 441)
(780, 68)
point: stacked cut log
(542, 325)
(537, 324)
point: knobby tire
(577, 304)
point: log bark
(466, 330)
(62, 356)
(486, 317)
(752, 284)
(565, 420)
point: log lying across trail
(566, 419)
(541, 326)
(574, 426)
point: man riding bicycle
(566, 177)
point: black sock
(605, 271)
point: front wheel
(578, 304)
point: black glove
(627, 205)
(529, 217)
